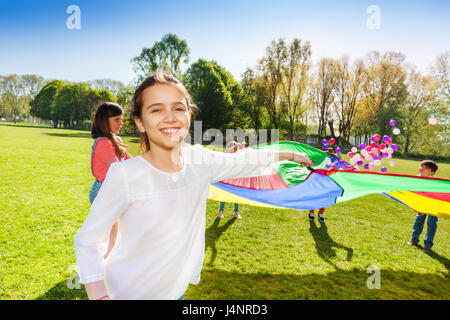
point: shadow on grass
(213, 233)
(325, 245)
(217, 284)
(86, 135)
(61, 292)
(339, 284)
(70, 135)
(37, 126)
(436, 256)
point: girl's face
(115, 123)
(425, 171)
(165, 116)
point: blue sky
(34, 37)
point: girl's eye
(155, 110)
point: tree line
(285, 90)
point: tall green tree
(41, 103)
(347, 93)
(294, 83)
(167, 54)
(384, 88)
(322, 93)
(76, 102)
(217, 94)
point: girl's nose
(170, 116)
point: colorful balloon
(432, 121)
(368, 149)
(384, 154)
(338, 150)
(360, 162)
(354, 149)
(362, 146)
(350, 154)
(386, 138)
(392, 123)
(394, 147)
(332, 141)
(382, 146)
(366, 166)
(383, 169)
(396, 131)
(324, 141)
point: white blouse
(160, 243)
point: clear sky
(34, 37)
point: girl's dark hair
(430, 164)
(160, 77)
(100, 125)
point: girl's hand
(302, 159)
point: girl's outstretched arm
(247, 162)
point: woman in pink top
(106, 149)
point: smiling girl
(106, 149)
(159, 199)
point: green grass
(269, 254)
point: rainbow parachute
(295, 187)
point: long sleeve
(243, 163)
(91, 241)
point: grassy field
(269, 254)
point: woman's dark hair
(100, 125)
(160, 77)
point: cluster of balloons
(368, 156)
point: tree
(41, 104)
(294, 82)
(124, 97)
(417, 107)
(347, 93)
(111, 85)
(32, 84)
(12, 87)
(271, 70)
(384, 88)
(76, 102)
(166, 54)
(216, 93)
(251, 103)
(322, 93)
